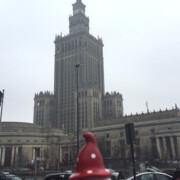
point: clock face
(79, 11)
(76, 11)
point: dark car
(114, 174)
(169, 171)
(12, 177)
(57, 176)
(3, 177)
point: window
(146, 177)
(121, 134)
(108, 149)
(37, 152)
(162, 177)
(38, 103)
(107, 135)
(152, 131)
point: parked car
(169, 171)
(12, 177)
(151, 176)
(152, 169)
(3, 177)
(57, 176)
(114, 174)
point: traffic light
(130, 136)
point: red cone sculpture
(90, 164)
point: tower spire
(79, 21)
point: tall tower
(78, 47)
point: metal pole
(35, 166)
(133, 161)
(2, 107)
(77, 66)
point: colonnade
(168, 148)
(13, 156)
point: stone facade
(19, 141)
(79, 47)
(157, 141)
(44, 109)
(157, 134)
(112, 106)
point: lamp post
(130, 137)
(1, 103)
(35, 164)
(77, 77)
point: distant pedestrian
(176, 175)
(120, 175)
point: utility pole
(1, 103)
(77, 78)
(130, 137)
(35, 165)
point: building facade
(157, 133)
(157, 142)
(112, 106)
(79, 47)
(157, 138)
(79, 52)
(44, 109)
(20, 141)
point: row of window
(83, 115)
(75, 44)
(23, 140)
(79, 21)
(39, 117)
(96, 111)
(42, 103)
(110, 102)
(84, 94)
(121, 134)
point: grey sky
(141, 50)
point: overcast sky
(141, 50)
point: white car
(114, 174)
(152, 169)
(151, 176)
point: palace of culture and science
(51, 138)
(82, 52)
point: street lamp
(1, 103)
(77, 77)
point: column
(12, 156)
(159, 148)
(0, 155)
(166, 154)
(33, 153)
(16, 156)
(60, 154)
(3, 156)
(178, 146)
(172, 147)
